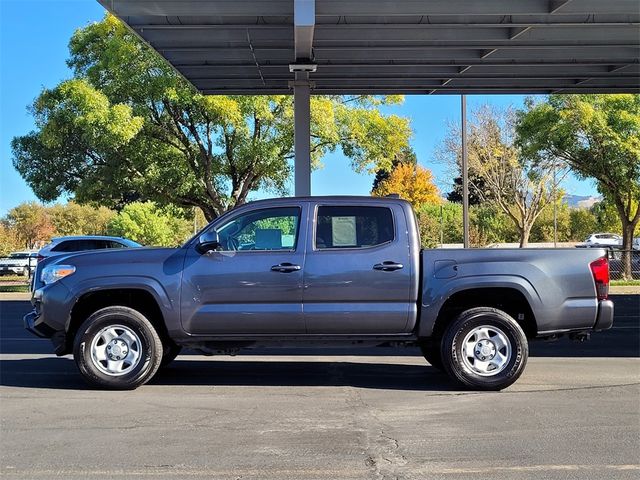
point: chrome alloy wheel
(486, 350)
(116, 350)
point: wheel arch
(137, 298)
(509, 299)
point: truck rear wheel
(484, 349)
(117, 348)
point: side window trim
(315, 227)
(296, 243)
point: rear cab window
(348, 227)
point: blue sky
(33, 50)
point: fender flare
(433, 301)
(118, 282)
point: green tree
(582, 223)
(128, 127)
(31, 223)
(598, 136)
(492, 225)
(147, 224)
(542, 230)
(74, 219)
(607, 218)
(439, 221)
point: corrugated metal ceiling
(403, 46)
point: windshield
(19, 255)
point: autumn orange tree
(412, 182)
(31, 223)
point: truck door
(253, 283)
(358, 270)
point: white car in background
(81, 243)
(599, 240)
(19, 263)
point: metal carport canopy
(386, 47)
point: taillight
(600, 271)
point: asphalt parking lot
(378, 413)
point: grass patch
(13, 278)
(625, 283)
(14, 288)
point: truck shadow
(61, 374)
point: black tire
(149, 348)
(431, 351)
(461, 369)
(169, 353)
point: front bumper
(34, 324)
(604, 319)
(49, 315)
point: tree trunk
(524, 236)
(627, 245)
(209, 212)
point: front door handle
(388, 266)
(285, 267)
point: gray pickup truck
(316, 271)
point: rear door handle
(388, 266)
(285, 267)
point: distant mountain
(581, 201)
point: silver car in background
(600, 240)
(81, 243)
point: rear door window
(353, 227)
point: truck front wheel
(484, 349)
(117, 348)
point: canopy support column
(304, 22)
(302, 134)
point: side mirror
(208, 241)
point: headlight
(53, 273)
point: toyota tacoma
(317, 271)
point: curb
(14, 297)
(624, 290)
